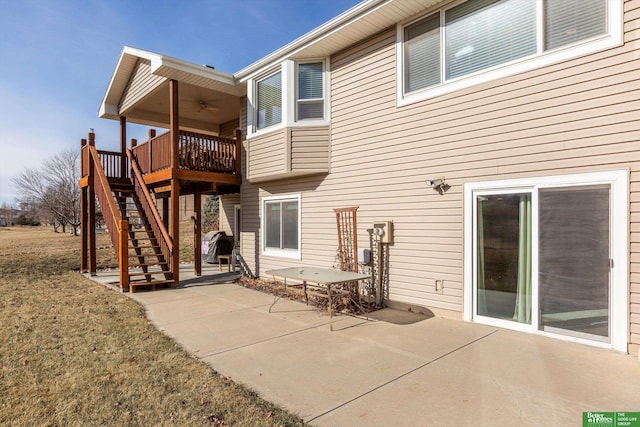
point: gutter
(346, 18)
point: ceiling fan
(208, 106)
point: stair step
(144, 282)
(153, 283)
(151, 264)
(145, 247)
(141, 273)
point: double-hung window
(269, 101)
(281, 226)
(310, 91)
(477, 37)
(295, 94)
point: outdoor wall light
(439, 184)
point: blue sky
(57, 56)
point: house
(500, 138)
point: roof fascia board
(108, 110)
(346, 18)
(191, 68)
(105, 110)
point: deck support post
(123, 253)
(174, 197)
(123, 147)
(174, 229)
(174, 123)
(123, 161)
(197, 234)
(151, 135)
(238, 137)
(84, 216)
(92, 210)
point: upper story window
(310, 91)
(465, 44)
(269, 101)
(296, 93)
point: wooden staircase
(144, 247)
(147, 265)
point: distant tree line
(51, 191)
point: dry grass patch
(75, 353)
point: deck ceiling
(199, 108)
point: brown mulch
(296, 293)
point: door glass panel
(574, 261)
(503, 232)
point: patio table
(318, 277)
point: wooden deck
(164, 167)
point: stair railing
(117, 226)
(149, 208)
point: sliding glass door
(504, 256)
(542, 259)
(574, 248)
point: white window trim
(539, 59)
(325, 94)
(619, 181)
(289, 94)
(281, 253)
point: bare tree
(53, 189)
(6, 214)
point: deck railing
(154, 154)
(196, 151)
(206, 152)
(117, 226)
(111, 162)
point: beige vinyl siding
(288, 152)
(142, 82)
(309, 149)
(227, 213)
(250, 218)
(580, 115)
(267, 155)
(228, 129)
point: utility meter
(384, 230)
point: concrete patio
(405, 370)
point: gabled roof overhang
(162, 68)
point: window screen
(422, 53)
(290, 225)
(310, 91)
(483, 33)
(269, 91)
(272, 225)
(569, 21)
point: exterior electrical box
(384, 230)
(364, 256)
